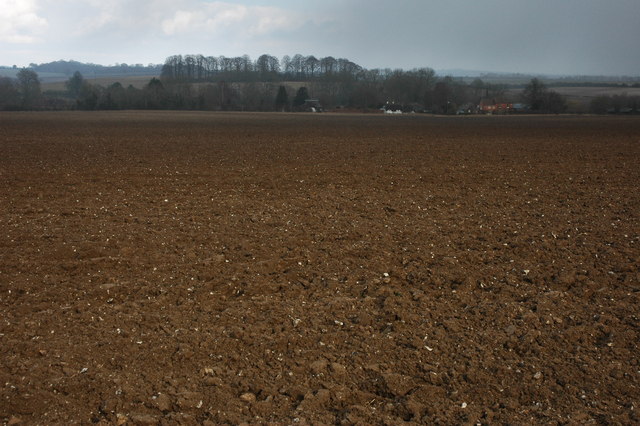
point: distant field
(44, 76)
(580, 97)
(8, 72)
(588, 92)
(137, 81)
(592, 92)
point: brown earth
(197, 268)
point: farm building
(490, 106)
(312, 105)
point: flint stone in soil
(108, 286)
(143, 419)
(248, 397)
(213, 381)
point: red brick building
(490, 106)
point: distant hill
(553, 80)
(62, 70)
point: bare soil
(198, 268)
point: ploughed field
(198, 268)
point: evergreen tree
(282, 99)
(301, 95)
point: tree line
(242, 83)
(615, 104)
(196, 82)
(24, 92)
(267, 84)
(267, 68)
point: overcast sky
(529, 36)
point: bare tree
(328, 65)
(540, 99)
(74, 84)
(297, 64)
(9, 95)
(267, 67)
(29, 88)
(286, 66)
(534, 93)
(311, 64)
